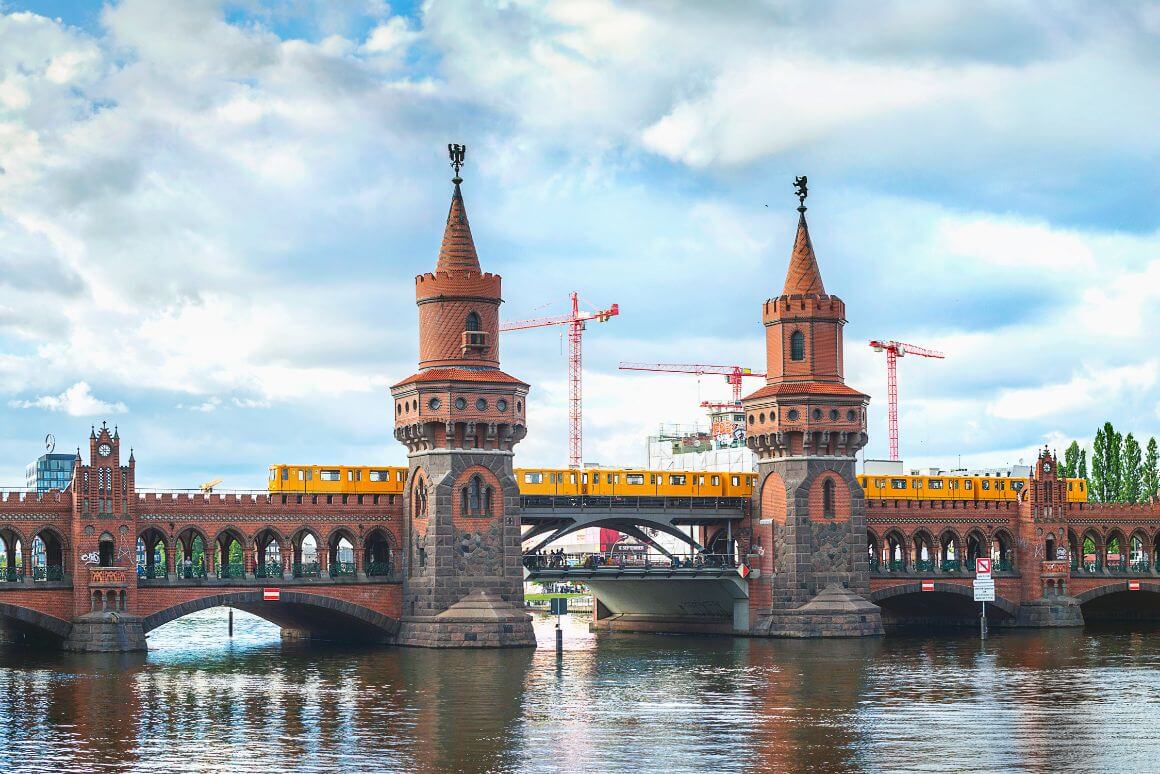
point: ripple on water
(200, 701)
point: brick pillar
(287, 549)
(26, 559)
(210, 557)
(359, 569)
(170, 559)
(249, 560)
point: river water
(1061, 701)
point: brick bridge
(440, 564)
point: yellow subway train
(629, 482)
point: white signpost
(984, 587)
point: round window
(434, 404)
(793, 415)
(751, 419)
(480, 404)
(761, 419)
(817, 414)
(501, 404)
(834, 415)
(460, 403)
(851, 415)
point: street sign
(743, 570)
(559, 605)
(983, 566)
(271, 595)
(984, 590)
(928, 585)
(1133, 585)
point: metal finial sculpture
(457, 152)
(799, 187)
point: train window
(635, 478)
(898, 483)
(400, 475)
(677, 480)
(735, 480)
(1002, 485)
(329, 475)
(595, 478)
(305, 474)
(986, 485)
(583, 478)
(1017, 485)
(918, 483)
(614, 478)
(380, 475)
(533, 478)
(966, 485)
(700, 481)
(354, 475)
(1069, 486)
(274, 475)
(285, 474)
(652, 479)
(571, 478)
(936, 483)
(879, 483)
(716, 480)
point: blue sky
(211, 214)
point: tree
(1081, 471)
(1115, 466)
(1071, 460)
(1130, 473)
(1150, 475)
(1097, 489)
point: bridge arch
(316, 613)
(940, 587)
(1116, 587)
(1114, 602)
(35, 621)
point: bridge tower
(104, 555)
(1045, 570)
(806, 426)
(460, 418)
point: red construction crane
(575, 322)
(732, 374)
(895, 350)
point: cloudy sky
(211, 214)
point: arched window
(419, 506)
(487, 499)
(472, 322)
(474, 494)
(828, 499)
(797, 346)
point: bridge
(442, 565)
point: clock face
(104, 450)
(1047, 467)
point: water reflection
(1071, 700)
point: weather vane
(457, 152)
(799, 187)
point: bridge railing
(593, 502)
(615, 562)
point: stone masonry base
(834, 612)
(106, 633)
(1050, 612)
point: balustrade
(269, 570)
(341, 569)
(378, 569)
(232, 570)
(306, 570)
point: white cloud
(76, 401)
(1097, 385)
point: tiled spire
(457, 252)
(803, 277)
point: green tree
(1097, 488)
(1150, 475)
(1130, 472)
(1081, 471)
(1071, 460)
(1115, 467)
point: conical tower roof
(457, 253)
(803, 276)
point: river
(1084, 700)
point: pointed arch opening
(797, 346)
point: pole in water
(983, 623)
(559, 637)
(231, 622)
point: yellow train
(946, 487)
(629, 482)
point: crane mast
(895, 350)
(574, 321)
